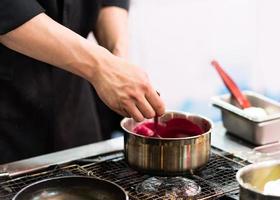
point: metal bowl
(167, 156)
(253, 178)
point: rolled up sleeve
(119, 3)
(14, 13)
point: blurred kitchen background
(175, 40)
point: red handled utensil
(232, 87)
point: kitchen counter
(220, 139)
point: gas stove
(105, 160)
(217, 179)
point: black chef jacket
(43, 108)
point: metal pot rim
(173, 139)
(252, 166)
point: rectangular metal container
(237, 122)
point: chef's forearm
(112, 30)
(44, 39)
(124, 87)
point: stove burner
(216, 180)
(173, 187)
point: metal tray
(237, 122)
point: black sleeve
(119, 3)
(14, 13)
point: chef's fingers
(155, 101)
(124, 113)
(145, 108)
(133, 112)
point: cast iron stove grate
(217, 179)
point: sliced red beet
(143, 129)
(148, 129)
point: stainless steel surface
(256, 131)
(221, 139)
(167, 156)
(61, 157)
(240, 148)
(252, 179)
(72, 188)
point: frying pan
(72, 188)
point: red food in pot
(174, 128)
(148, 129)
(143, 129)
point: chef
(48, 68)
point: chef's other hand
(126, 89)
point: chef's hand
(126, 89)
(130, 92)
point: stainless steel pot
(167, 156)
(253, 178)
